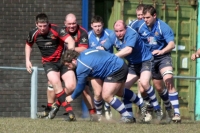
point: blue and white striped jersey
(140, 52)
(95, 41)
(96, 64)
(155, 38)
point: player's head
(149, 13)
(42, 23)
(97, 24)
(71, 23)
(139, 11)
(120, 29)
(69, 58)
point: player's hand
(157, 52)
(29, 66)
(100, 48)
(69, 99)
(194, 56)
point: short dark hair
(69, 55)
(41, 18)
(150, 9)
(140, 7)
(96, 19)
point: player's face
(97, 28)
(43, 27)
(149, 19)
(139, 14)
(120, 31)
(71, 25)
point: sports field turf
(57, 125)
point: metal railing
(34, 86)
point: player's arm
(80, 49)
(77, 92)
(69, 42)
(83, 43)
(28, 50)
(124, 52)
(168, 48)
(66, 38)
(195, 55)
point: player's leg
(131, 79)
(114, 86)
(50, 100)
(145, 78)
(98, 101)
(69, 78)
(109, 90)
(167, 74)
(89, 101)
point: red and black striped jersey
(80, 37)
(51, 45)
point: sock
(146, 98)
(92, 111)
(99, 106)
(61, 98)
(49, 105)
(165, 97)
(107, 106)
(58, 103)
(131, 96)
(174, 101)
(152, 96)
(119, 106)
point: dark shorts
(118, 76)
(55, 66)
(137, 69)
(159, 63)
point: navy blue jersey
(140, 52)
(96, 64)
(157, 37)
(95, 41)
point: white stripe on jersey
(84, 64)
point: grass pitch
(57, 125)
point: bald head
(70, 17)
(119, 23)
(70, 22)
(120, 29)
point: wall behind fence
(17, 19)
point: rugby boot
(159, 116)
(70, 116)
(45, 113)
(54, 110)
(176, 118)
(108, 113)
(95, 117)
(127, 119)
(143, 110)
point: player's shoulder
(82, 29)
(33, 30)
(54, 26)
(163, 25)
(32, 33)
(63, 31)
(108, 31)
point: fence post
(34, 88)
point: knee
(70, 86)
